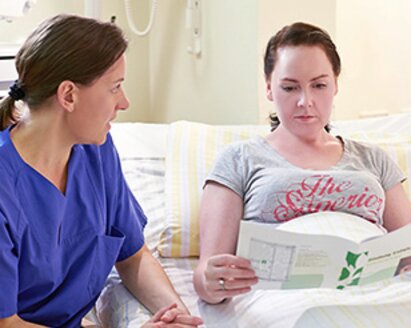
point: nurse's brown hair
(64, 47)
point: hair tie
(16, 92)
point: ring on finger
(221, 282)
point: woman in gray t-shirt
(299, 168)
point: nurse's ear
(66, 95)
(336, 86)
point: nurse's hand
(16, 322)
(88, 324)
(171, 316)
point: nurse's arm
(15, 322)
(146, 280)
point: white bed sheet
(368, 306)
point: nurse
(66, 213)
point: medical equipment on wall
(133, 27)
(193, 25)
(8, 71)
(11, 9)
(92, 8)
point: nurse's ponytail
(7, 112)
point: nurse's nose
(123, 103)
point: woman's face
(97, 104)
(302, 87)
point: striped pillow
(191, 151)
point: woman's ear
(66, 95)
(269, 91)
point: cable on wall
(133, 27)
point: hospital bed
(165, 166)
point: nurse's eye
(116, 88)
(288, 88)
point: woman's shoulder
(365, 151)
(360, 146)
(252, 143)
(242, 148)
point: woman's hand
(172, 316)
(227, 275)
(405, 268)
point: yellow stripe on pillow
(192, 149)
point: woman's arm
(397, 213)
(220, 214)
(146, 280)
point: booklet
(290, 260)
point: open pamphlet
(290, 260)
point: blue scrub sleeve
(8, 271)
(125, 213)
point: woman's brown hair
(299, 34)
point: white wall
(225, 84)
(164, 83)
(374, 40)
(221, 85)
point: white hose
(130, 19)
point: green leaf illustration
(354, 282)
(345, 273)
(351, 259)
(357, 272)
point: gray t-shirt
(274, 190)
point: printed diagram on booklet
(271, 261)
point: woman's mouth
(304, 117)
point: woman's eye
(320, 86)
(288, 88)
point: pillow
(140, 140)
(191, 151)
(142, 150)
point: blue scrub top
(57, 250)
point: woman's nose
(305, 99)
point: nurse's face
(302, 87)
(96, 105)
